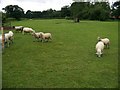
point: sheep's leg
(8, 43)
(34, 40)
(47, 40)
(23, 32)
(43, 40)
(108, 45)
(40, 39)
(11, 39)
(37, 39)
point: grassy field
(69, 61)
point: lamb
(18, 28)
(106, 41)
(46, 36)
(37, 35)
(99, 48)
(27, 30)
(9, 37)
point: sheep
(99, 48)
(46, 36)
(8, 37)
(27, 30)
(106, 41)
(37, 35)
(18, 28)
(11, 36)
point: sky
(38, 5)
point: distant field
(69, 61)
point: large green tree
(14, 11)
(116, 9)
(88, 10)
(99, 11)
(65, 11)
(80, 10)
(29, 14)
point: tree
(29, 14)
(14, 11)
(101, 11)
(77, 10)
(65, 11)
(116, 9)
(90, 10)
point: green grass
(69, 61)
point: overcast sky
(38, 5)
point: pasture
(68, 61)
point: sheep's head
(22, 28)
(13, 27)
(99, 53)
(41, 35)
(32, 33)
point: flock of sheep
(9, 37)
(38, 35)
(101, 42)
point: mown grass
(69, 61)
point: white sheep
(99, 48)
(37, 35)
(11, 37)
(18, 28)
(8, 38)
(28, 30)
(106, 41)
(46, 36)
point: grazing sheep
(99, 48)
(28, 30)
(46, 36)
(37, 35)
(8, 38)
(18, 28)
(11, 36)
(106, 41)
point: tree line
(77, 10)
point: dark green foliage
(44, 14)
(116, 9)
(65, 11)
(93, 11)
(29, 14)
(14, 11)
